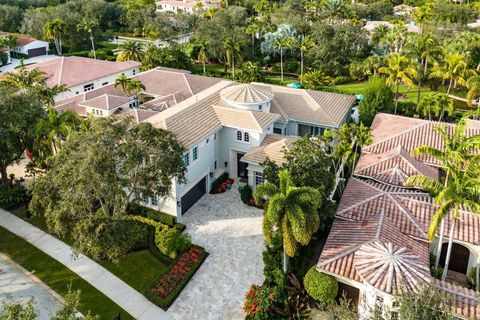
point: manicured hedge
(159, 293)
(158, 216)
(320, 286)
(11, 197)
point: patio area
(232, 233)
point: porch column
(477, 269)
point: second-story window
(195, 153)
(88, 87)
(246, 137)
(239, 135)
(186, 159)
(154, 200)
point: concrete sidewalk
(118, 291)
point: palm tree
(252, 29)
(399, 71)
(232, 51)
(122, 81)
(22, 78)
(304, 45)
(54, 128)
(371, 64)
(281, 43)
(131, 50)
(88, 25)
(458, 152)
(8, 41)
(435, 104)
(379, 33)
(453, 68)
(47, 94)
(334, 9)
(315, 79)
(55, 30)
(289, 211)
(250, 72)
(202, 53)
(424, 15)
(128, 85)
(262, 7)
(473, 85)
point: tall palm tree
(47, 94)
(453, 68)
(289, 211)
(122, 81)
(55, 30)
(372, 63)
(202, 53)
(232, 51)
(424, 15)
(435, 104)
(399, 71)
(473, 85)
(315, 79)
(128, 85)
(88, 25)
(55, 128)
(304, 45)
(334, 9)
(457, 152)
(282, 43)
(131, 50)
(252, 29)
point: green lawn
(57, 276)
(138, 269)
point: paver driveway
(231, 232)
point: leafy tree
(55, 30)
(250, 72)
(473, 85)
(10, 18)
(252, 29)
(378, 97)
(398, 71)
(19, 112)
(16, 310)
(453, 68)
(461, 186)
(202, 53)
(130, 50)
(88, 25)
(429, 303)
(315, 79)
(290, 211)
(88, 184)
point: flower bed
(167, 288)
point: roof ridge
(343, 254)
(60, 73)
(188, 84)
(397, 135)
(305, 92)
(407, 214)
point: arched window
(239, 135)
(246, 137)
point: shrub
(272, 263)
(246, 194)
(137, 233)
(171, 241)
(320, 286)
(11, 197)
(260, 303)
(161, 217)
(378, 97)
(218, 182)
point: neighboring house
(187, 6)
(371, 25)
(81, 75)
(404, 10)
(377, 246)
(30, 47)
(474, 25)
(224, 126)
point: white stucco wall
(32, 45)
(98, 83)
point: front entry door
(242, 171)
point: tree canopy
(85, 191)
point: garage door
(195, 193)
(37, 52)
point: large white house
(187, 6)
(81, 75)
(224, 126)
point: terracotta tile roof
(392, 167)
(107, 102)
(242, 119)
(467, 302)
(24, 40)
(72, 71)
(138, 114)
(390, 131)
(272, 147)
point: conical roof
(390, 268)
(245, 93)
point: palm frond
(442, 213)
(432, 186)
(264, 191)
(288, 239)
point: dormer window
(246, 137)
(239, 135)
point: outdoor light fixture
(179, 204)
(211, 174)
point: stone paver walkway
(21, 285)
(231, 232)
(118, 291)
